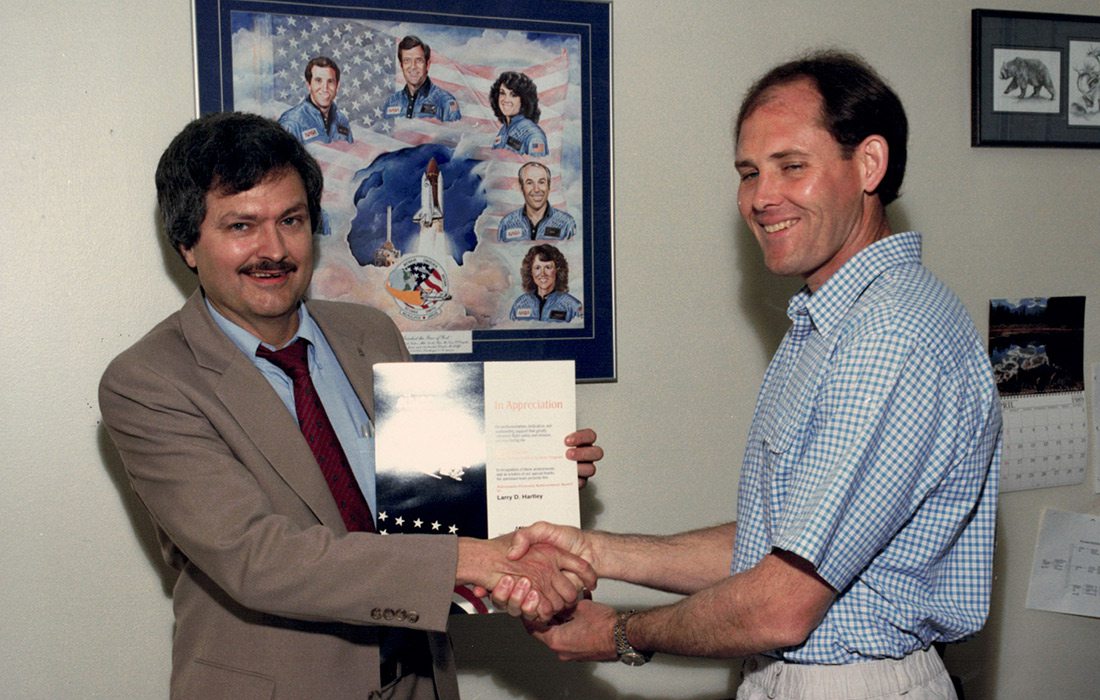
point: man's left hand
(582, 449)
(583, 633)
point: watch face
(633, 658)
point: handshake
(540, 573)
(535, 573)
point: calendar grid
(1046, 440)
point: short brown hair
(856, 103)
(321, 62)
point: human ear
(874, 156)
(188, 255)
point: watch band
(627, 654)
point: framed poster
(467, 161)
(1036, 79)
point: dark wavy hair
(856, 103)
(322, 62)
(411, 42)
(546, 253)
(227, 153)
(523, 86)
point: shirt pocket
(787, 425)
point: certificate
(474, 449)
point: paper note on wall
(1065, 574)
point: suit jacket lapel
(354, 353)
(259, 412)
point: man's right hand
(514, 595)
(545, 578)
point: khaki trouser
(919, 676)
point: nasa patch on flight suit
(393, 110)
(523, 313)
(514, 234)
(310, 134)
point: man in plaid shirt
(868, 489)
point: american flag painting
(373, 183)
(253, 57)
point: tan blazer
(275, 599)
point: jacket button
(376, 614)
(413, 616)
(388, 614)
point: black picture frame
(580, 31)
(1035, 79)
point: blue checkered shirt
(874, 454)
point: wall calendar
(1036, 346)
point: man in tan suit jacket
(275, 598)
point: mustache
(278, 266)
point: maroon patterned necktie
(322, 439)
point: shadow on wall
(181, 276)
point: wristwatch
(627, 654)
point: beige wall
(96, 90)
